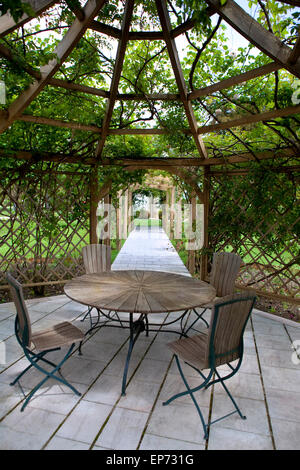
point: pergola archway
(156, 182)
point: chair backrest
(225, 269)
(227, 326)
(24, 326)
(96, 258)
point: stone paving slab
(267, 387)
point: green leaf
(16, 8)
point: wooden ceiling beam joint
(256, 34)
(116, 75)
(174, 58)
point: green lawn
(148, 222)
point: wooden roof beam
(105, 29)
(246, 157)
(58, 123)
(149, 162)
(140, 35)
(236, 80)
(164, 163)
(254, 32)
(106, 94)
(45, 156)
(146, 131)
(57, 82)
(148, 97)
(116, 75)
(250, 118)
(8, 24)
(145, 35)
(62, 51)
(293, 3)
(91, 128)
(173, 54)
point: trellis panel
(269, 246)
(44, 223)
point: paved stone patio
(267, 387)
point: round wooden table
(143, 292)
(139, 292)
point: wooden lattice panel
(43, 225)
(267, 244)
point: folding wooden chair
(96, 259)
(223, 344)
(37, 344)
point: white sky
(235, 40)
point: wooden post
(167, 197)
(93, 204)
(124, 214)
(178, 220)
(107, 201)
(172, 215)
(129, 211)
(165, 214)
(204, 257)
(192, 253)
(118, 222)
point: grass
(148, 222)
(114, 250)
(179, 247)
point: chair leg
(226, 377)
(190, 391)
(38, 357)
(21, 374)
(221, 380)
(49, 375)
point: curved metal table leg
(136, 327)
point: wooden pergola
(282, 57)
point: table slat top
(137, 291)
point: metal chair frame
(213, 367)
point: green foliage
(282, 17)
(16, 8)
(196, 9)
(147, 192)
(261, 205)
